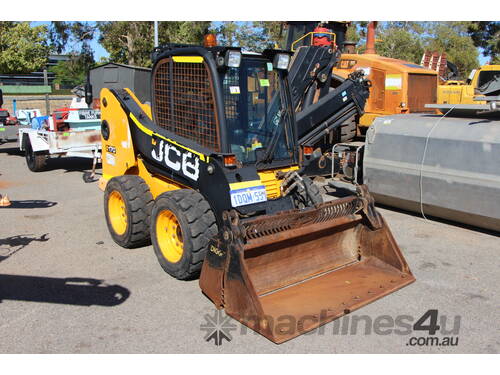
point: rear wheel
(348, 130)
(127, 206)
(36, 161)
(182, 224)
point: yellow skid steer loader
(210, 174)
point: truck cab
(464, 92)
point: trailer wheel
(127, 207)
(182, 224)
(36, 161)
(348, 130)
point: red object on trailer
(59, 117)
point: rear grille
(184, 101)
(422, 90)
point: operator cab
(239, 101)
(258, 114)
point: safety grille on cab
(184, 102)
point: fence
(36, 102)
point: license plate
(250, 195)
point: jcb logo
(181, 161)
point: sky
(100, 52)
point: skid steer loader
(209, 174)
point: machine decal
(188, 59)
(151, 133)
(393, 82)
(179, 160)
(111, 149)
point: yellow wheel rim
(117, 212)
(169, 236)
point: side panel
(38, 139)
(118, 154)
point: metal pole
(46, 83)
(156, 33)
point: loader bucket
(288, 273)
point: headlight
(233, 59)
(281, 61)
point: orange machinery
(398, 86)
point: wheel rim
(117, 212)
(169, 236)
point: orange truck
(398, 86)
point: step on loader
(209, 173)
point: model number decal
(179, 160)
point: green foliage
(399, 43)
(352, 34)
(453, 39)
(486, 34)
(23, 49)
(251, 36)
(131, 42)
(74, 37)
(72, 72)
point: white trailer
(74, 132)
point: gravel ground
(66, 287)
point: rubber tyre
(348, 130)
(314, 197)
(36, 161)
(197, 223)
(138, 204)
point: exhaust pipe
(370, 38)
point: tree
(75, 38)
(131, 42)
(72, 72)
(251, 36)
(399, 43)
(23, 49)
(486, 34)
(453, 39)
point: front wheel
(127, 206)
(182, 224)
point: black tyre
(36, 161)
(182, 224)
(348, 130)
(127, 207)
(310, 196)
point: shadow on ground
(39, 203)
(68, 291)
(14, 150)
